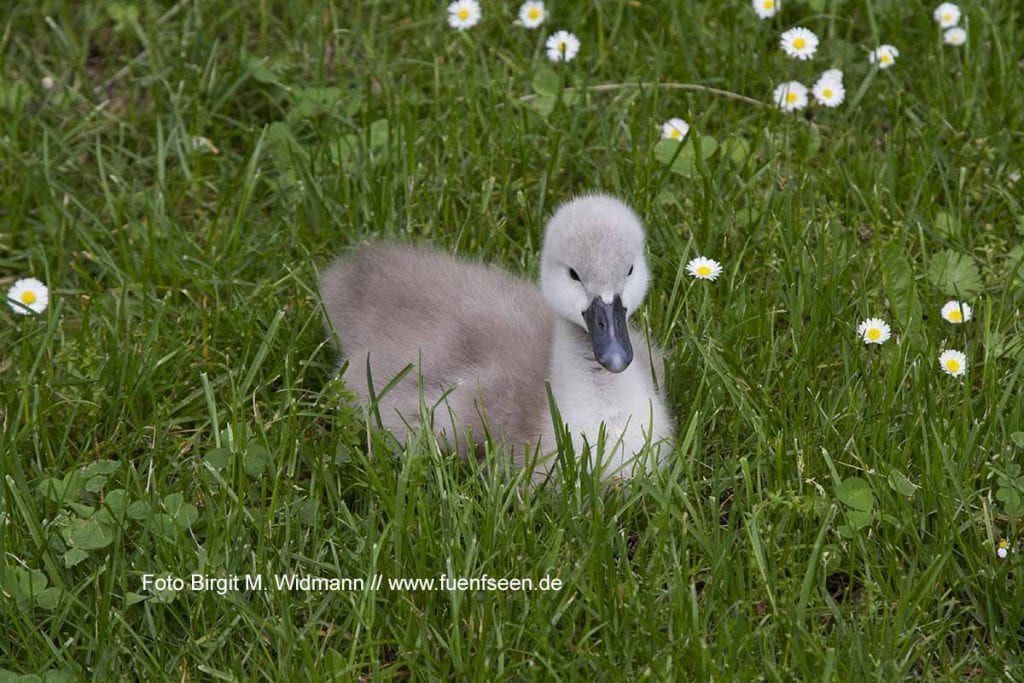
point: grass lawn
(832, 510)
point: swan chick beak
(609, 334)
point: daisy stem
(608, 87)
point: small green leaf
(24, 678)
(947, 225)
(310, 102)
(21, 582)
(1013, 502)
(666, 198)
(139, 510)
(63, 490)
(172, 502)
(100, 467)
(262, 70)
(84, 511)
(218, 458)
(256, 460)
(116, 501)
(859, 519)
(123, 14)
(284, 147)
(856, 493)
(812, 141)
(1018, 438)
(737, 150)
(680, 155)
(134, 598)
(546, 82)
(901, 484)
(900, 287)
(353, 102)
(59, 676)
(746, 217)
(49, 597)
(342, 149)
(955, 274)
(342, 453)
(379, 133)
(162, 524)
(707, 144)
(75, 556)
(309, 511)
(186, 515)
(543, 104)
(89, 534)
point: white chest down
(626, 406)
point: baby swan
(484, 343)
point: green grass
(831, 510)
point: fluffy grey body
(477, 336)
(484, 343)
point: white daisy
(791, 96)
(953, 362)
(955, 36)
(874, 331)
(704, 268)
(48, 83)
(829, 90)
(675, 129)
(463, 14)
(766, 9)
(799, 43)
(885, 56)
(562, 47)
(532, 14)
(1002, 548)
(956, 312)
(947, 14)
(28, 295)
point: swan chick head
(594, 273)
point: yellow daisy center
(676, 134)
(1004, 544)
(826, 93)
(874, 334)
(533, 13)
(953, 365)
(955, 315)
(562, 46)
(947, 17)
(28, 298)
(704, 271)
(885, 58)
(769, 4)
(791, 97)
(464, 13)
(799, 43)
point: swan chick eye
(574, 275)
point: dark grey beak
(609, 334)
